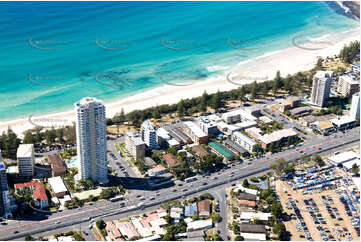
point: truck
(117, 198)
(190, 179)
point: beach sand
(288, 61)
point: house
(199, 150)
(252, 228)
(190, 210)
(176, 214)
(247, 196)
(142, 230)
(127, 229)
(253, 237)
(250, 216)
(113, 232)
(196, 235)
(204, 208)
(39, 193)
(171, 160)
(199, 224)
(57, 164)
(246, 203)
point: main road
(70, 219)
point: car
(184, 189)
(57, 222)
(174, 190)
(15, 232)
(204, 183)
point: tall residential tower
(321, 88)
(355, 106)
(149, 135)
(91, 140)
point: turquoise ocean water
(54, 53)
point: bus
(116, 199)
(190, 179)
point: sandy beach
(288, 61)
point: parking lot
(319, 216)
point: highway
(70, 219)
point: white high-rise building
(25, 157)
(149, 135)
(321, 88)
(91, 140)
(355, 106)
(347, 85)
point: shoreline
(288, 61)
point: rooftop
(25, 150)
(221, 149)
(39, 192)
(199, 150)
(57, 163)
(244, 137)
(57, 184)
(171, 160)
(195, 129)
(342, 120)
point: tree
(216, 101)
(245, 183)
(100, 224)
(180, 108)
(317, 158)
(276, 209)
(203, 103)
(276, 82)
(239, 238)
(355, 169)
(215, 217)
(254, 90)
(280, 230)
(29, 238)
(195, 217)
(155, 113)
(319, 65)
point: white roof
(252, 236)
(25, 150)
(65, 238)
(343, 157)
(195, 129)
(357, 182)
(199, 224)
(222, 125)
(246, 124)
(265, 119)
(57, 184)
(246, 190)
(214, 118)
(143, 231)
(348, 165)
(164, 134)
(173, 142)
(233, 127)
(349, 79)
(342, 120)
(323, 74)
(252, 215)
(245, 138)
(277, 135)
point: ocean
(55, 53)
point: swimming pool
(72, 162)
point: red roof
(39, 192)
(171, 160)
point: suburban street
(215, 184)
